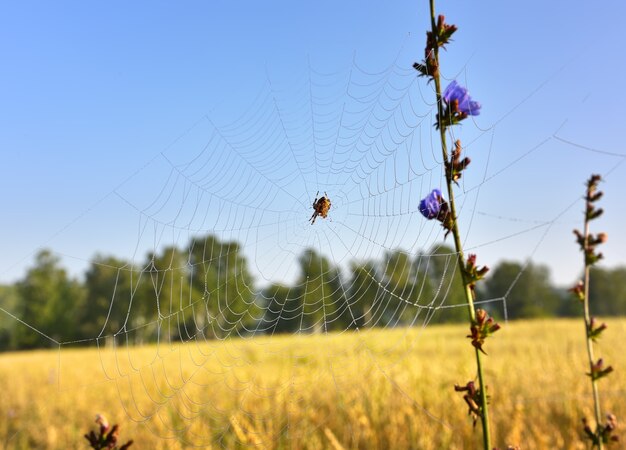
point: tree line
(206, 290)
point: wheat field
(373, 389)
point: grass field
(379, 389)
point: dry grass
(381, 389)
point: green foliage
(607, 291)
(206, 291)
(108, 286)
(282, 310)
(168, 299)
(320, 293)
(528, 290)
(49, 301)
(443, 271)
(223, 288)
(365, 296)
(407, 287)
(8, 302)
(398, 283)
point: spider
(321, 207)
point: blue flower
(431, 204)
(466, 105)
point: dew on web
(232, 331)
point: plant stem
(469, 294)
(587, 317)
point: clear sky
(92, 96)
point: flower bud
(578, 290)
(103, 422)
(482, 327)
(598, 370)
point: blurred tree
(282, 310)
(569, 306)
(108, 285)
(447, 287)
(49, 302)
(222, 287)
(320, 291)
(8, 302)
(166, 295)
(365, 296)
(528, 290)
(607, 291)
(400, 288)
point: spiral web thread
(363, 138)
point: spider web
(224, 213)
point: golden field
(374, 389)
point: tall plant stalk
(602, 434)
(587, 319)
(453, 106)
(469, 293)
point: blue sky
(93, 96)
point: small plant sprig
(107, 436)
(453, 106)
(603, 434)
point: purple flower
(455, 91)
(431, 204)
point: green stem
(587, 317)
(469, 294)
